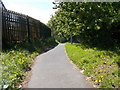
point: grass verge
(100, 65)
(17, 60)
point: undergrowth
(100, 65)
(18, 59)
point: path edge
(88, 79)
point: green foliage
(100, 65)
(17, 60)
(15, 63)
(96, 24)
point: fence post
(0, 25)
(0, 43)
(28, 29)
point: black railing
(17, 28)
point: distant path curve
(53, 70)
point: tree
(91, 23)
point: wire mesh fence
(17, 28)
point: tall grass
(100, 65)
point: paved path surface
(54, 70)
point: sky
(38, 9)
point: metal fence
(17, 28)
(0, 26)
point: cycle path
(54, 70)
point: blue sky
(38, 9)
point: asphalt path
(54, 70)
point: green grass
(100, 65)
(17, 60)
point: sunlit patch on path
(53, 70)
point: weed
(100, 65)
